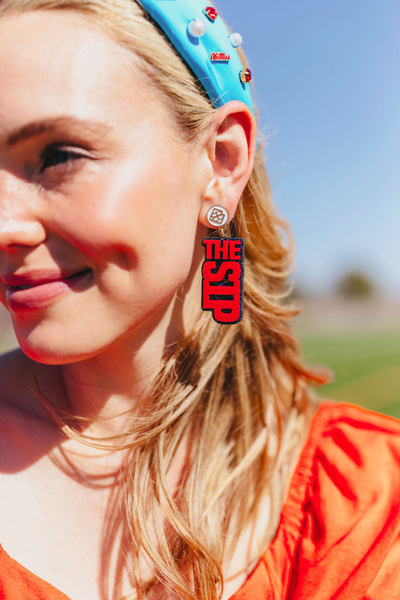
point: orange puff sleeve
(339, 533)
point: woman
(147, 450)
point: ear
(230, 143)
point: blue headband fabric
(220, 78)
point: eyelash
(50, 152)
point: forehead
(56, 63)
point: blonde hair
(228, 392)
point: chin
(68, 334)
(56, 344)
(49, 354)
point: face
(99, 202)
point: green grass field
(366, 366)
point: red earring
(223, 272)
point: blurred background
(326, 82)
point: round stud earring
(217, 216)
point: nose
(19, 220)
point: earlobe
(231, 146)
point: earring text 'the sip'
(222, 271)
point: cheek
(137, 220)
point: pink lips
(37, 288)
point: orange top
(339, 532)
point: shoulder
(351, 458)
(354, 417)
(355, 456)
(356, 440)
(341, 520)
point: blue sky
(327, 83)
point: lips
(39, 288)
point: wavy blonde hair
(230, 390)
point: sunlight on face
(98, 209)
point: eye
(52, 157)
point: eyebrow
(48, 125)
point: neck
(114, 381)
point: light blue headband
(202, 39)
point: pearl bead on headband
(202, 39)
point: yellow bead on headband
(202, 39)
